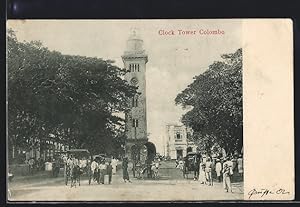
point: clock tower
(135, 59)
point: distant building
(36, 149)
(177, 143)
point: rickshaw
(190, 164)
(82, 155)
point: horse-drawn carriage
(191, 164)
(77, 164)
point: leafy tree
(216, 101)
(73, 97)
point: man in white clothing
(114, 165)
(94, 169)
(219, 170)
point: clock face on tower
(134, 81)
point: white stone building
(177, 143)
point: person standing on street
(114, 166)
(55, 167)
(102, 168)
(157, 164)
(94, 169)
(154, 168)
(138, 169)
(218, 170)
(202, 177)
(231, 166)
(109, 170)
(31, 164)
(227, 176)
(208, 167)
(196, 164)
(125, 170)
(69, 160)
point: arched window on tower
(130, 67)
(138, 66)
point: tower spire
(135, 45)
(134, 33)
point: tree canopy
(215, 97)
(72, 97)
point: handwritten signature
(264, 192)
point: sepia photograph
(125, 110)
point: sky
(173, 60)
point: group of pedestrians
(35, 165)
(224, 169)
(205, 172)
(103, 169)
(149, 167)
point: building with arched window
(178, 142)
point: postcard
(150, 110)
